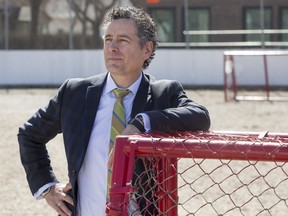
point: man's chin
(114, 69)
(115, 72)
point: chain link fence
(215, 173)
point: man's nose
(113, 46)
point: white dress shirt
(92, 179)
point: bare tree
(35, 6)
(100, 8)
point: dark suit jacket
(72, 112)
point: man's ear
(148, 48)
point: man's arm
(176, 111)
(32, 137)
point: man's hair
(147, 30)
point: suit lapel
(141, 102)
(93, 95)
(142, 98)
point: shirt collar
(110, 85)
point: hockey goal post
(231, 88)
(213, 173)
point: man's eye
(124, 40)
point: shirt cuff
(146, 121)
(37, 195)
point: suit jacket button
(73, 172)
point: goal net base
(259, 98)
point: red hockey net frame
(167, 150)
(230, 78)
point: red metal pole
(116, 205)
(161, 177)
(266, 77)
(225, 78)
(234, 78)
(172, 186)
(237, 149)
(168, 188)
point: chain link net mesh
(207, 174)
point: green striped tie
(118, 123)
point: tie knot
(120, 93)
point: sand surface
(17, 105)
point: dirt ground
(17, 105)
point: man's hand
(56, 197)
(129, 130)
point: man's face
(122, 51)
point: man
(82, 111)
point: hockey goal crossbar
(168, 148)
